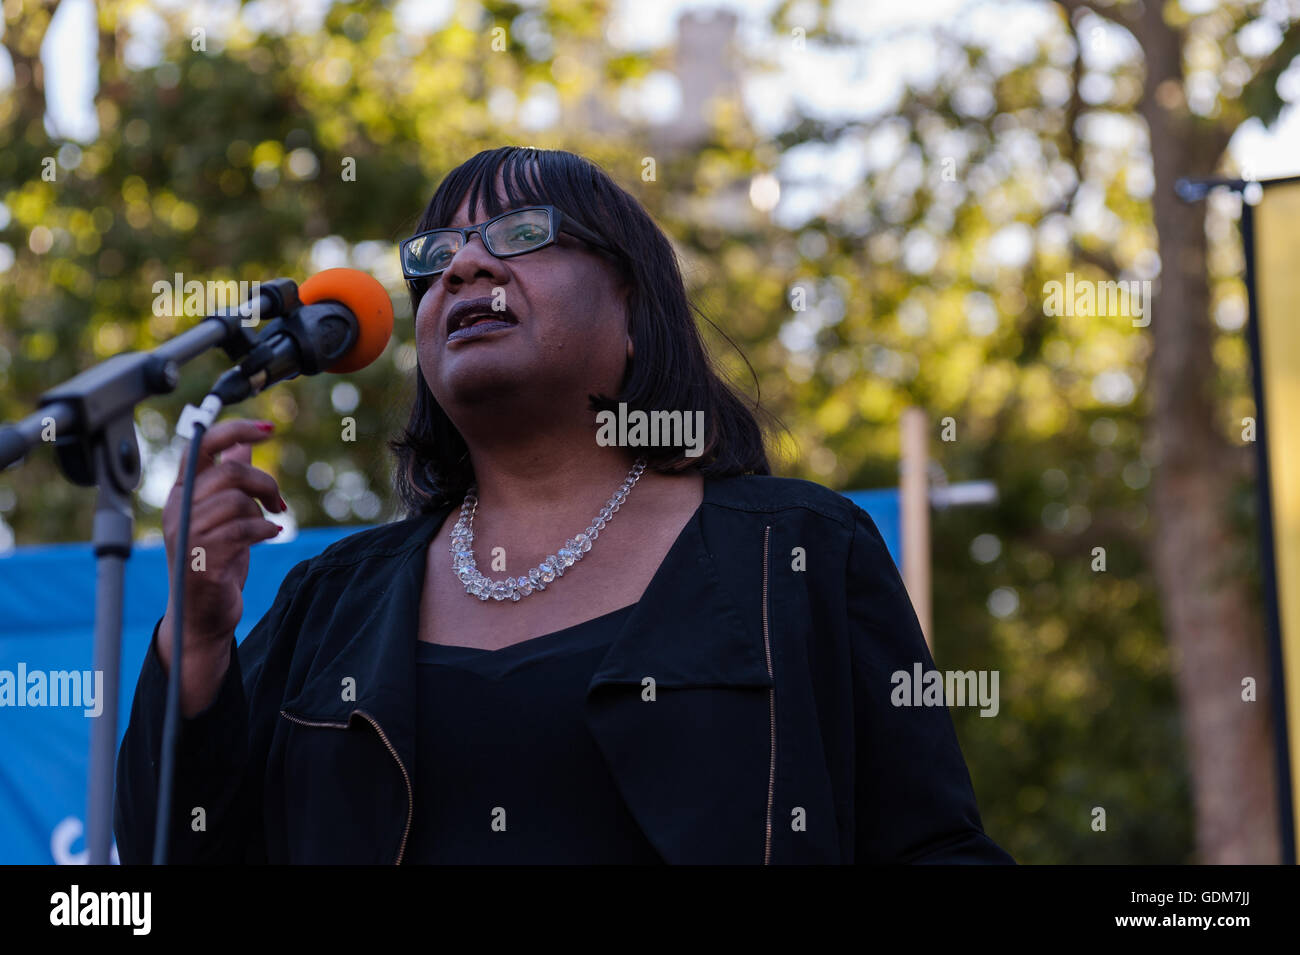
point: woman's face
(565, 335)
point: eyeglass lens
(511, 234)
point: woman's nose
(471, 261)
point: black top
(505, 769)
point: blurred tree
(1199, 81)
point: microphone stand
(92, 420)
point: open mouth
(476, 317)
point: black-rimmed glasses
(517, 232)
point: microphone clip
(307, 341)
(274, 298)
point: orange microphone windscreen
(369, 302)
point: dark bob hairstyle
(670, 370)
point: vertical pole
(1267, 544)
(914, 514)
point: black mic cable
(171, 721)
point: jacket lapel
(693, 763)
(378, 652)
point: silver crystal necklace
(476, 585)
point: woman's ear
(629, 348)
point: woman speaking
(588, 641)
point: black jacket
(772, 738)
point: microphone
(342, 325)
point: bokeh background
(916, 173)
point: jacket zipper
(410, 798)
(771, 705)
